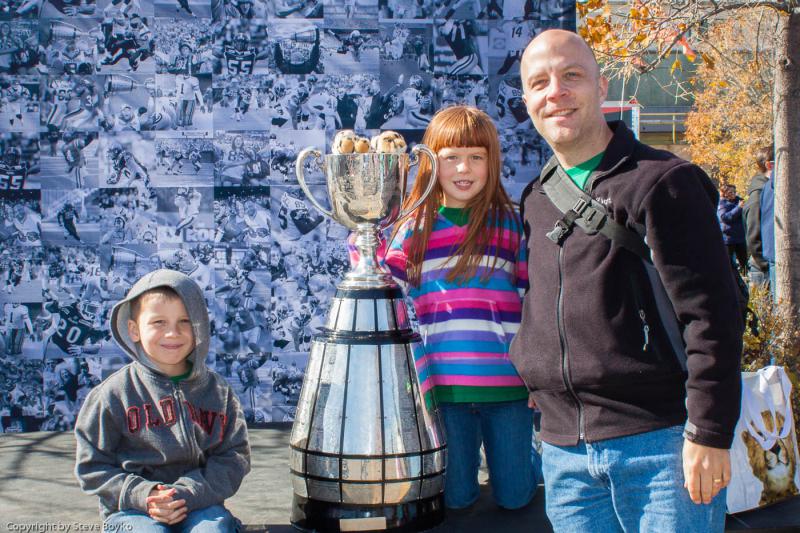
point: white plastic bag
(765, 464)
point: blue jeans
(506, 429)
(632, 483)
(214, 519)
(773, 288)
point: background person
(751, 213)
(729, 212)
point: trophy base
(322, 517)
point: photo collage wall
(145, 134)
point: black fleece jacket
(591, 347)
(752, 221)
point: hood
(195, 303)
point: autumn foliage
(731, 85)
(732, 115)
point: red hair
(459, 127)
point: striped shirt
(466, 329)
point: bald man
(633, 359)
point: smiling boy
(163, 440)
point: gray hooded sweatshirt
(138, 429)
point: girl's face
(462, 174)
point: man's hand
(706, 471)
(162, 507)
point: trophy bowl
(366, 193)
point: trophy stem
(368, 273)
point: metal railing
(675, 120)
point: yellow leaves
(732, 94)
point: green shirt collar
(178, 379)
(457, 215)
(581, 172)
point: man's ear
(133, 331)
(603, 88)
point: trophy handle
(434, 169)
(301, 179)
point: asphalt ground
(39, 492)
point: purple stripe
(470, 313)
(447, 251)
(441, 273)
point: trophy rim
(368, 155)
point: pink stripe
(446, 238)
(425, 386)
(479, 304)
(469, 293)
(478, 381)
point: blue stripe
(494, 284)
(469, 347)
(440, 369)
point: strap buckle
(580, 206)
(559, 232)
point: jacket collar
(619, 150)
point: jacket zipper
(562, 335)
(637, 300)
(186, 422)
(645, 329)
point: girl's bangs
(460, 129)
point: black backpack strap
(593, 218)
(581, 210)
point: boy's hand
(162, 507)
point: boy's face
(165, 332)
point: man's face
(562, 89)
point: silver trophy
(367, 453)
(366, 192)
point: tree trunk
(787, 161)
